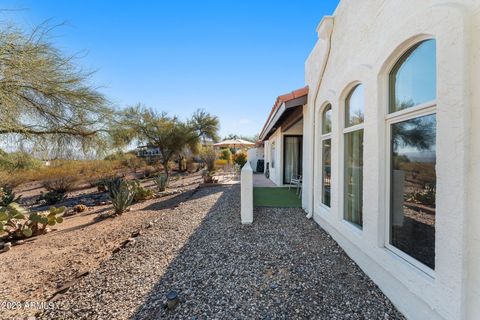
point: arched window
(413, 78)
(353, 156)
(326, 143)
(412, 132)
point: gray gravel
(281, 267)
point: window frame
(344, 131)
(322, 138)
(420, 110)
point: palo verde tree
(44, 97)
(169, 134)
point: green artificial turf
(276, 197)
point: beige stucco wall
(473, 279)
(367, 38)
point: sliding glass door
(292, 165)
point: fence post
(246, 200)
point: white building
(390, 147)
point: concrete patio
(259, 180)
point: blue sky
(231, 58)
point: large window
(412, 130)
(353, 156)
(326, 142)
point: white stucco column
(246, 202)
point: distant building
(148, 153)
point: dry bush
(71, 174)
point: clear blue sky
(231, 58)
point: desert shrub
(149, 171)
(122, 197)
(161, 182)
(60, 184)
(220, 163)
(18, 161)
(240, 158)
(226, 154)
(7, 196)
(52, 197)
(192, 166)
(129, 160)
(140, 193)
(209, 156)
(78, 208)
(18, 223)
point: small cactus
(122, 197)
(113, 185)
(15, 220)
(161, 182)
(139, 192)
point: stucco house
(386, 137)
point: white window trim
(424, 109)
(361, 126)
(323, 137)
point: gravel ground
(283, 266)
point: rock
(6, 247)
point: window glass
(355, 107)
(413, 78)
(353, 184)
(272, 155)
(327, 120)
(413, 188)
(326, 171)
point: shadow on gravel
(179, 198)
(283, 266)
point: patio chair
(296, 181)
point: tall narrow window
(413, 154)
(353, 156)
(272, 155)
(326, 142)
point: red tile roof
(284, 98)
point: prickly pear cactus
(16, 221)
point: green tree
(44, 96)
(167, 133)
(206, 125)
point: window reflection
(355, 107)
(354, 177)
(413, 188)
(413, 78)
(327, 120)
